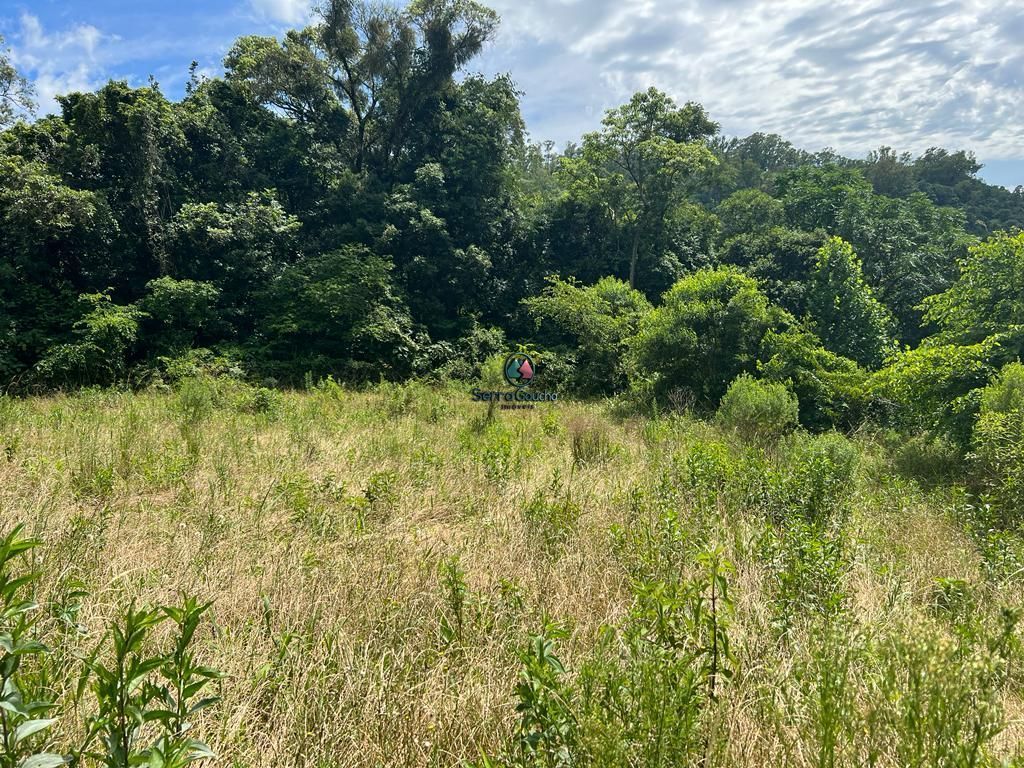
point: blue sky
(850, 74)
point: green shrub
(929, 459)
(998, 443)
(755, 409)
(258, 400)
(935, 388)
(594, 323)
(832, 390)
(706, 332)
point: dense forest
(350, 201)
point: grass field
(400, 578)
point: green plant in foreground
(20, 721)
(144, 700)
(546, 726)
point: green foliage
(832, 390)
(749, 211)
(998, 443)
(641, 697)
(988, 296)
(336, 314)
(935, 388)
(638, 166)
(758, 410)
(24, 724)
(145, 700)
(930, 459)
(107, 333)
(592, 324)
(184, 312)
(16, 92)
(145, 703)
(844, 311)
(706, 332)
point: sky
(851, 75)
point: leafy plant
(22, 721)
(758, 410)
(144, 700)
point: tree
(749, 211)
(16, 91)
(638, 166)
(334, 314)
(707, 330)
(890, 174)
(988, 296)
(365, 76)
(591, 325)
(844, 311)
(237, 247)
(780, 260)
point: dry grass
(320, 531)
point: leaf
(42, 760)
(201, 751)
(29, 728)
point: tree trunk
(634, 251)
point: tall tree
(16, 91)
(366, 75)
(846, 315)
(640, 163)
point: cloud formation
(843, 73)
(283, 11)
(59, 62)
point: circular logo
(519, 370)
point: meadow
(402, 577)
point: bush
(935, 388)
(707, 331)
(832, 390)
(758, 409)
(998, 443)
(931, 460)
(594, 323)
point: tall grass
(397, 577)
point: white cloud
(284, 11)
(851, 74)
(59, 62)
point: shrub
(935, 388)
(758, 409)
(832, 390)
(706, 332)
(929, 459)
(594, 321)
(998, 443)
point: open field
(379, 562)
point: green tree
(106, 335)
(366, 75)
(844, 311)
(640, 163)
(749, 210)
(707, 330)
(16, 91)
(335, 314)
(591, 324)
(988, 296)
